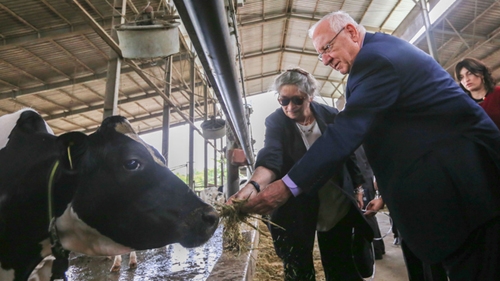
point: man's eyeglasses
(286, 101)
(327, 47)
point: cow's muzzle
(201, 225)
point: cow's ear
(75, 144)
(117, 124)
(30, 121)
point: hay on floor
(232, 218)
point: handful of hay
(233, 218)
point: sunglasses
(296, 100)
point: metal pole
(205, 146)
(428, 32)
(166, 109)
(215, 152)
(191, 131)
(222, 162)
(215, 162)
(114, 64)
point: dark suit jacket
(427, 142)
(283, 146)
(363, 164)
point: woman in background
(476, 80)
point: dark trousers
(345, 256)
(420, 271)
(416, 268)
(295, 244)
(478, 258)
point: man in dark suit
(435, 152)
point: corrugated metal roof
(52, 60)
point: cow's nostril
(210, 217)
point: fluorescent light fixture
(438, 10)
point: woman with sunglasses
(333, 212)
(476, 80)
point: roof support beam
(99, 106)
(279, 50)
(97, 28)
(22, 71)
(457, 33)
(144, 118)
(161, 93)
(42, 97)
(94, 9)
(274, 73)
(278, 17)
(394, 9)
(81, 80)
(104, 55)
(114, 46)
(52, 34)
(342, 82)
(477, 37)
(492, 36)
(18, 17)
(8, 84)
(286, 25)
(45, 62)
(55, 12)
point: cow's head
(126, 197)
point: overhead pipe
(207, 26)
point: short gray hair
(337, 20)
(305, 82)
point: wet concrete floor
(392, 266)
(173, 263)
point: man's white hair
(337, 20)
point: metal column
(428, 32)
(192, 74)
(114, 64)
(205, 142)
(166, 109)
(215, 154)
(222, 162)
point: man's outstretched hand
(270, 198)
(246, 193)
(374, 206)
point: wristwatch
(359, 190)
(256, 185)
(377, 195)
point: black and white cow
(111, 194)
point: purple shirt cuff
(291, 185)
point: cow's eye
(132, 164)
